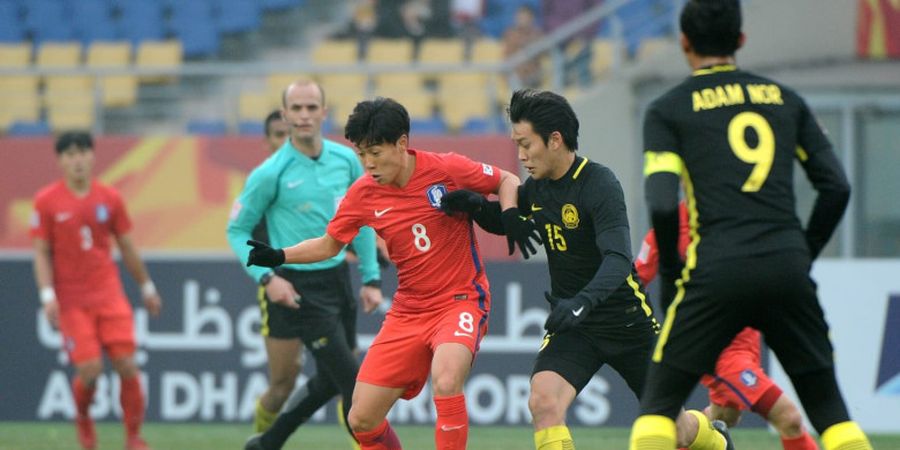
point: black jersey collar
(715, 69)
(575, 169)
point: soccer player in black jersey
(731, 138)
(600, 314)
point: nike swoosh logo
(62, 217)
(451, 428)
(382, 212)
(457, 333)
(535, 207)
(295, 183)
(577, 312)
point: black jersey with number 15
(733, 137)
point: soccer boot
(135, 443)
(723, 429)
(254, 443)
(87, 436)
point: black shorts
(578, 354)
(327, 300)
(772, 293)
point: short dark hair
(272, 117)
(80, 139)
(713, 27)
(378, 121)
(548, 112)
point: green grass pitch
(61, 436)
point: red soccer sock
(83, 395)
(381, 438)
(132, 401)
(802, 442)
(452, 428)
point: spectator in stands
(362, 25)
(577, 51)
(466, 17)
(523, 32)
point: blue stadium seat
(253, 127)
(477, 125)
(28, 129)
(198, 40)
(92, 21)
(10, 22)
(270, 5)
(140, 20)
(238, 15)
(47, 21)
(208, 126)
(185, 14)
(434, 125)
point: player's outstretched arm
(135, 266)
(308, 251)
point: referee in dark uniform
(600, 313)
(731, 138)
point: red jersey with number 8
(78, 231)
(437, 257)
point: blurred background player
(282, 372)
(440, 310)
(297, 190)
(731, 138)
(739, 381)
(599, 313)
(72, 224)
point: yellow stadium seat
(442, 51)
(159, 54)
(462, 82)
(342, 51)
(456, 109)
(68, 85)
(651, 46)
(18, 84)
(344, 84)
(117, 90)
(419, 103)
(19, 106)
(408, 80)
(487, 51)
(71, 110)
(15, 55)
(59, 54)
(604, 54)
(276, 83)
(390, 51)
(254, 105)
(340, 106)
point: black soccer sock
(821, 398)
(665, 390)
(301, 405)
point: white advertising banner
(861, 299)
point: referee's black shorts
(772, 293)
(578, 354)
(327, 300)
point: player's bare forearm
(507, 190)
(132, 260)
(43, 268)
(313, 250)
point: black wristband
(373, 283)
(266, 278)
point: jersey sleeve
(258, 193)
(121, 221)
(364, 242)
(472, 175)
(39, 226)
(350, 217)
(647, 261)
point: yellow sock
(707, 436)
(343, 424)
(845, 436)
(263, 419)
(554, 438)
(651, 432)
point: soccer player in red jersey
(73, 222)
(440, 310)
(739, 382)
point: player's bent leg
(284, 364)
(449, 369)
(845, 436)
(548, 401)
(664, 392)
(84, 384)
(696, 432)
(131, 396)
(371, 404)
(731, 416)
(787, 419)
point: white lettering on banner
(518, 319)
(592, 407)
(222, 394)
(518, 388)
(207, 328)
(481, 386)
(57, 400)
(174, 406)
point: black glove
(566, 313)
(462, 201)
(519, 230)
(263, 255)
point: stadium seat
(19, 107)
(158, 54)
(604, 56)
(251, 127)
(254, 106)
(47, 21)
(442, 51)
(464, 105)
(399, 80)
(390, 51)
(199, 39)
(15, 55)
(92, 21)
(487, 51)
(651, 46)
(237, 16)
(58, 55)
(427, 125)
(117, 90)
(11, 29)
(419, 103)
(207, 126)
(140, 20)
(344, 84)
(277, 82)
(270, 5)
(37, 128)
(70, 109)
(477, 125)
(342, 51)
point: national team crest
(570, 216)
(749, 378)
(435, 193)
(102, 213)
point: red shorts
(740, 383)
(400, 356)
(87, 330)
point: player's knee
(280, 388)
(788, 422)
(545, 408)
(89, 371)
(446, 384)
(359, 421)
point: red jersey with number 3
(437, 257)
(78, 231)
